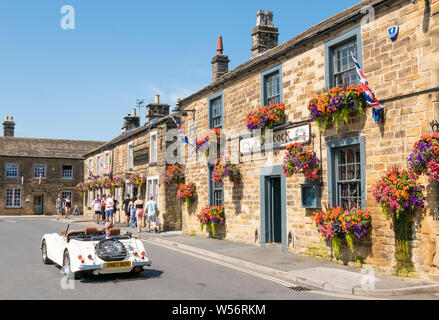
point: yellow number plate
(122, 264)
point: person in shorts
(97, 204)
(109, 209)
(126, 208)
(68, 206)
(59, 204)
(152, 214)
(139, 212)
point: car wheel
(46, 260)
(67, 270)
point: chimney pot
(219, 46)
(220, 62)
(157, 99)
(134, 112)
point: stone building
(267, 208)
(138, 150)
(23, 160)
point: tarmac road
(173, 275)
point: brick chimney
(8, 127)
(265, 35)
(220, 62)
(157, 109)
(131, 121)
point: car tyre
(44, 257)
(67, 270)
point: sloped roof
(322, 28)
(45, 148)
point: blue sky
(79, 84)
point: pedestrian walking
(68, 206)
(132, 210)
(115, 203)
(152, 214)
(97, 205)
(59, 205)
(126, 208)
(139, 212)
(104, 198)
(109, 208)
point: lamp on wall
(434, 126)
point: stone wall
(168, 205)
(49, 188)
(393, 69)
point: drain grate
(300, 289)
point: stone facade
(117, 152)
(31, 196)
(403, 73)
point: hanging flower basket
(118, 182)
(398, 192)
(265, 117)
(211, 139)
(107, 184)
(187, 193)
(80, 187)
(424, 158)
(335, 105)
(174, 175)
(336, 224)
(95, 184)
(136, 179)
(301, 159)
(211, 217)
(226, 169)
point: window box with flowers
(266, 117)
(136, 179)
(335, 105)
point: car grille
(111, 250)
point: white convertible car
(90, 250)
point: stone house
(23, 160)
(138, 150)
(267, 208)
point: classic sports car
(91, 250)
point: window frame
(213, 97)
(45, 171)
(130, 159)
(62, 172)
(266, 73)
(335, 42)
(332, 148)
(6, 170)
(153, 151)
(13, 198)
(213, 188)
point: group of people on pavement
(61, 204)
(135, 211)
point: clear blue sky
(79, 84)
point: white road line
(260, 275)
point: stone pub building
(268, 208)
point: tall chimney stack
(157, 109)
(8, 127)
(130, 121)
(265, 35)
(220, 62)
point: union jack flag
(183, 137)
(104, 166)
(370, 97)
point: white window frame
(107, 160)
(45, 171)
(152, 151)
(6, 170)
(152, 179)
(98, 166)
(62, 172)
(129, 155)
(13, 198)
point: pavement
(302, 271)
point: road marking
(260, 275)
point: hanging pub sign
(393, 32)
(140, 156)
(281, 138)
